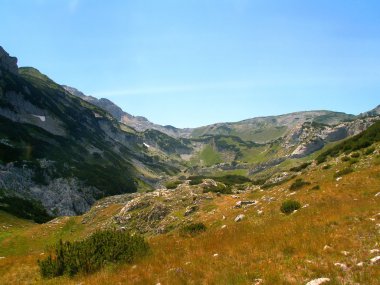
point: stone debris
(372, 251)
(240, 204)
(345, 253)
(342, 266)
(318, 281)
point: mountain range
(62, 150)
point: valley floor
(334, 235)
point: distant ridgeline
(61, 150)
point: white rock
(372, 251)
(42, 118)
(239, 218)
(215, 255)
(2, 257)
(375, 259)
(258, 281)
(318, 281)
(345, 253)
(342, 266)
(327, 248)
(377, 194)
(360, 264)
(224, 217)
(339, 178)
(260, 212)
(305, 206)
(224, 226)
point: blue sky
(189, 63)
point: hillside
(63, 153)
(333, 235)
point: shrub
(193, 229)
(300, 167)
(172, 184)
(345, 158)
(327, 166)
(299, 183)
(231, 179)
(290, 206)
(343, 172)
(221, 188)
(369, 151)
(353, 161)
(195, 180)
(93, 253)
(316, 187)
(355, 155)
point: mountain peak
(8, 62)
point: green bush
(195, 180)
(290, 206)
(316, 187)
(343, 172)
(345, 158)
(172, 184)
(369, 150)
(93, 253)
(193, 229)
(327, 166)
(353, 161)
(298, 184)
(219, 188)
(26, 209)
(355, 155)
(300, 167)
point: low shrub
(298, 184)
(345, 158)
(327, 166)
(316, 187)
(355, 155)
(193, 229)
(369, 151)
(343, 172)
(353, 161)
(195, 180)
(93, 253)
(290, 206)
(300, 167)
(219, 188)
(172, 184)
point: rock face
(309, 137)
(7, 62)
(60, 196)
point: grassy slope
(277, 248)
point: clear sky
(189, 63)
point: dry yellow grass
(277, 248)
